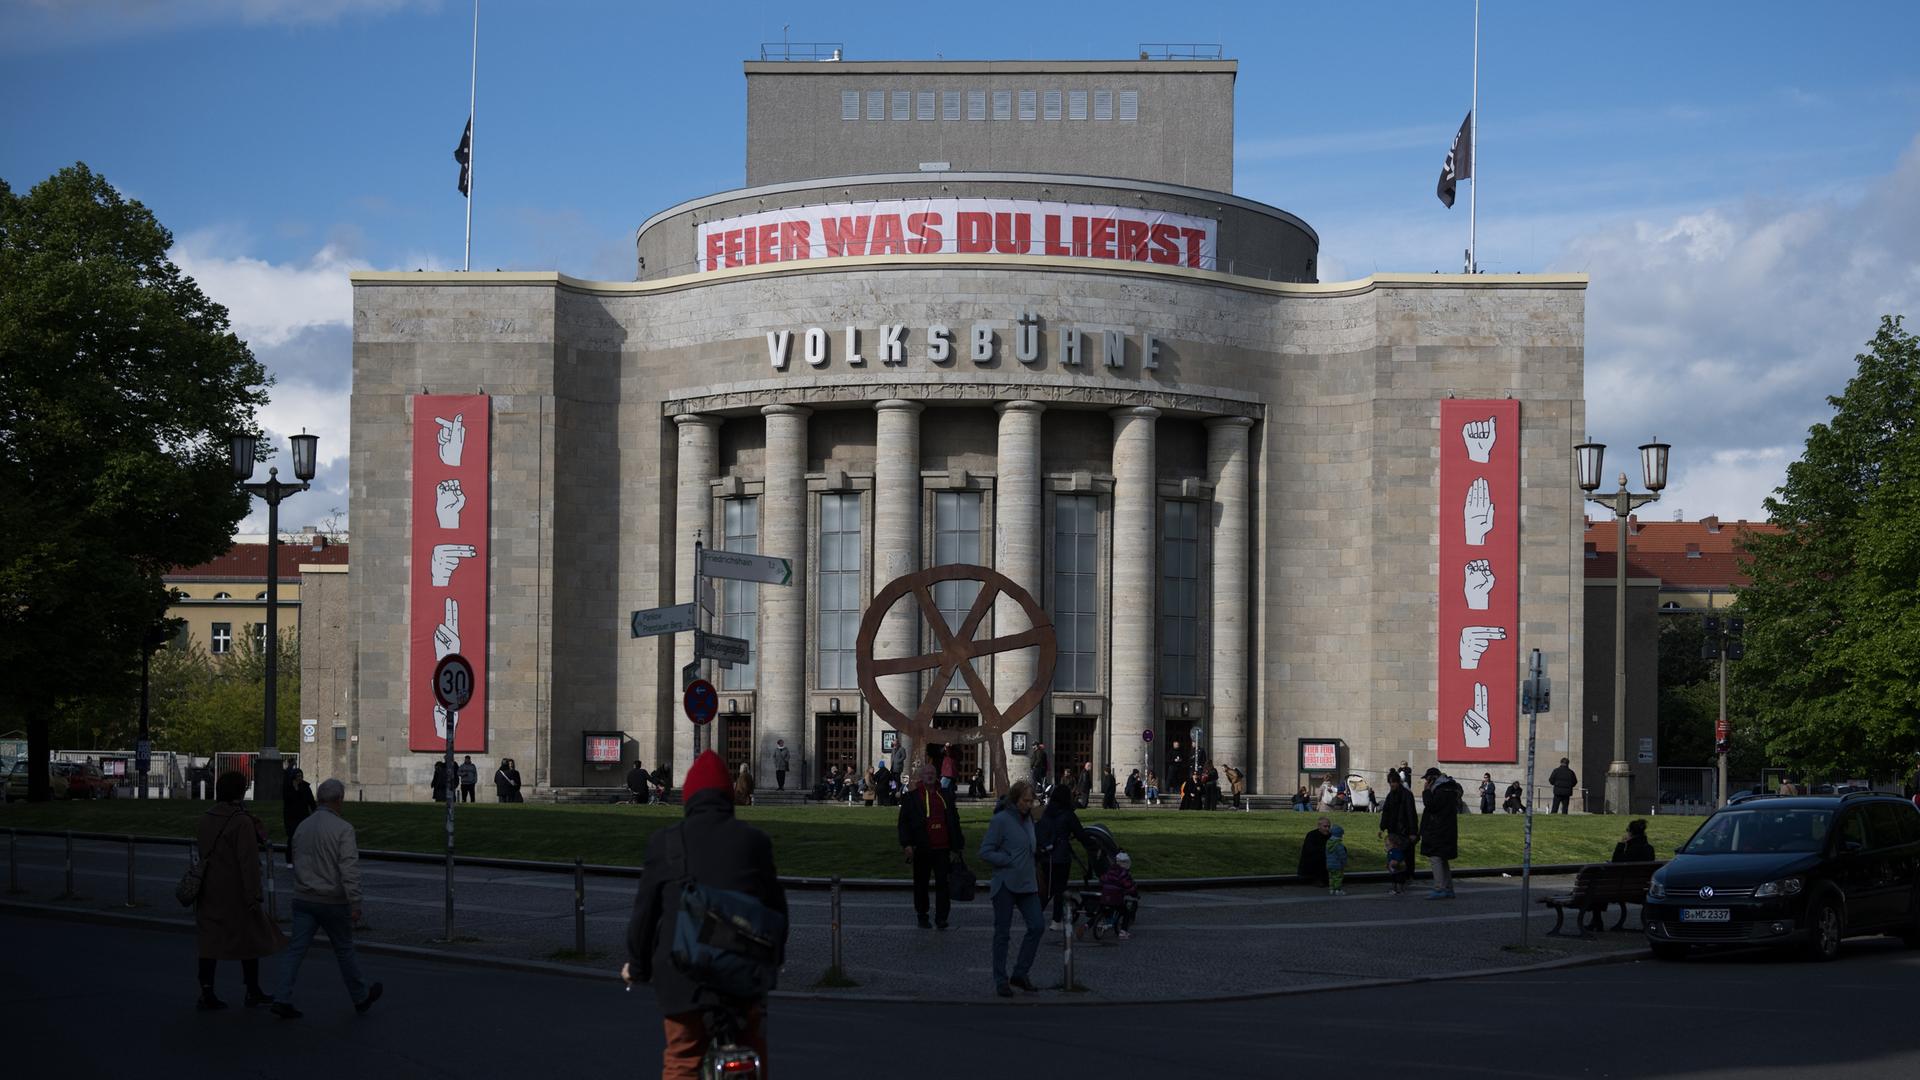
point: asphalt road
(86, 1000)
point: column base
(1619, 788)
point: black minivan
(1805, 870)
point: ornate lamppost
(267, 769)
(1653, 469)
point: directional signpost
(664, 620)
(452, 688)
(1534, 698)
(739, 566)
(697, 616)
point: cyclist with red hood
(722, 852)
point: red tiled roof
(1711, 570)
(248, 562)
(1674, 536)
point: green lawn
(859, 842)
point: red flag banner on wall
(1479, 581)
(448, 608)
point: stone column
(1130, 710)
(896, 544)
(1017, 542)
(780, 704)
(698, 464)
(1228, 635)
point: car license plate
(1708, 914)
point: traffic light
(1711, 627)
(1736, 648)
(1710, 649)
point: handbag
(726, 941)
(188, 891)
(961, 883)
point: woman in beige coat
(229, 918)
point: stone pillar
(1228, 636)
(896, 544)
(780, 704)
(1018, 528)
(1130, 710)
(698, 464)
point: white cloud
(270, 302)
(1724, 330)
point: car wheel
(1825, 930)
(1667, 950)
(1911, 935)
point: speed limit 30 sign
(453, 682)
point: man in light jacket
(326, 895)
(1008, 848)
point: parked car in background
(16, 787)
(84, 780)
(1805, 871)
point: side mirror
(1851, 846)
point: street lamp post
(266, 769)
(1653, 469)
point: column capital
(1230, 421)
(1022, 405)
(799, 411)
(1135, 412)
(898, 405)
(703, 419)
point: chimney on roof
(1712, 522)
(1633, 525)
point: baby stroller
(1089, 915)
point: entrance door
(968, 753)
(736, 743)
(1073, 744)
(837, 744)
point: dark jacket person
(1313, 854)
(229, 919)
(929, 835)
(297, 806)
(1563, 781)
(1633, 847)
(721, 852)
(1397, 815)
(1440, 830)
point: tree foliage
(120, 383)
(1831, 681)
(197, 704)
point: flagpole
(473, 88)
(1473, 147)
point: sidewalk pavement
(1186, 945)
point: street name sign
(739, 566)
(703, 595)
(727, 650)
(672, 619)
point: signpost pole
(451, 792)
(701, 622)
(1534, 668)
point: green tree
(1689, 693)
(1831, 681)
(120, 383)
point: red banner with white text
(1479, 581)
(950, 226)
(448, 605)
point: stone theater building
(1000, 313)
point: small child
(1399, 862)
(1118, 893)
(1336, 861)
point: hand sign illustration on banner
(1479, 584)
(447, 501)
(446, 636)
(450, 562)
(1474, 726)
(453, 439)
(1479, 513)
(446, 559)
(1479, 559)
(1474, 641)
(1479, 435)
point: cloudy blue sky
(1741, 180)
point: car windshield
(1760, 832)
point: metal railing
(1180, 50)
(806, 52)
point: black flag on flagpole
(1459, 164)
(464, 155)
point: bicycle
(727, 1057)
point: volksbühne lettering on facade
(983, 345)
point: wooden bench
(1595, 889)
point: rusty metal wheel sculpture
(956, 651)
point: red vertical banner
(448, 609)
(1479, 581)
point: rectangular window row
(1033, 104)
